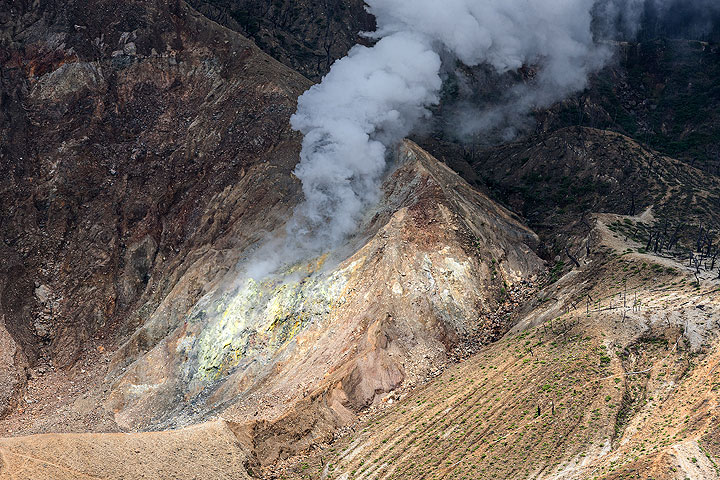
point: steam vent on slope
(242, 241)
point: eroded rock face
(132, 136)
(345, 328)
(146, 149)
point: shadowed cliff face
(305, 35)
(133, 135)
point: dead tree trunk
(574, 260)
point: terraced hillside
(621, 386)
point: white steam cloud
(370, 100)
(376, 95)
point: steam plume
(375, 96)
(370, 100)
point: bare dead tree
(658, 236)
(631, 211)
(573, 259)
(700, 237)
(625, 295)
(675, 236)
(584, 221)
(697, 265)
(636, 306)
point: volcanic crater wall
(143, 161)
(344, 328)
(123, 129)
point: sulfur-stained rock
(344, 328)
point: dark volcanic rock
(305, 35)
(554, 180)
(124, 127)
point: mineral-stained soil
(438, 256)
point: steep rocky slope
(307, 36)
(431, 260)
(133, 135)
(156, 161)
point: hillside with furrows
(611, 372)
(543, 304)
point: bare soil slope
(614, 389)
(205, 451)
